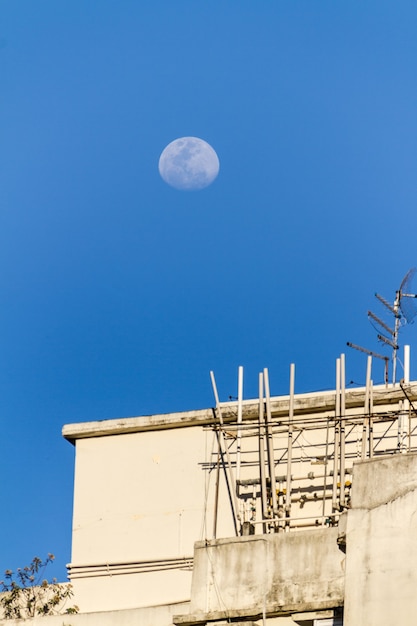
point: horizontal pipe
(128, 567)
(306, 423)
(255, 481)
(296, 519)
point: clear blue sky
(119, 293)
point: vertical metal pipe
(239, 424)
(394, 356)
(406, 403)
(366, 407)
(270, 442)
(409, 428)
(216, 492)
(406, 364)
(336, 438)
(323, 511)
(395, 336)
(290, 435)
(407, 380)
(400, 426)
(342, 428)
(225, 447)
(371, 420)
(264, 502)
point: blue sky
(118, 293)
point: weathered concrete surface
(146, 616)
(381, 540)
(307, 403)
(147, 488)
(278, 574)
(130, 591)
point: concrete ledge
(249, 617)
(278, 574)
(382, 479)
(304, 404)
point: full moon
(189, 163)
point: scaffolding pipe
(325, 468)
(262, 477)
(342, 428)
(270, 444)
(371, 420)
(365, 427)
(290, 434)
(239, 423)
(395, 336)
(406, 381)
(406, 403)
(406, 364)
(216, 492)
(223, 444)
(336, 437)
(249, 482)
(298, 519)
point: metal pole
(336, 437)
(404, 407)
(406, 364)
(406, 404)
(270, 442)
(395, 336)
(262, 477)
(239, 425)
(233, 498)
(325, 472)
(366, 407)
(371, 420)
(342, 428)
(290, 434)
(216, 493)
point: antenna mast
(404, 309)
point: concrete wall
(140, 503)
(147, 616)
(138, 496)
(145, 491)
(154, 616)
(271, 574)
(381, 543)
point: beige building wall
(161, 615)
(140, 496)
(141, 500)
(145, 488)
(381, 542)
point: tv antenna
(404, 310)
(375, 354)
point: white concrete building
(294, 509)
(299, 509)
